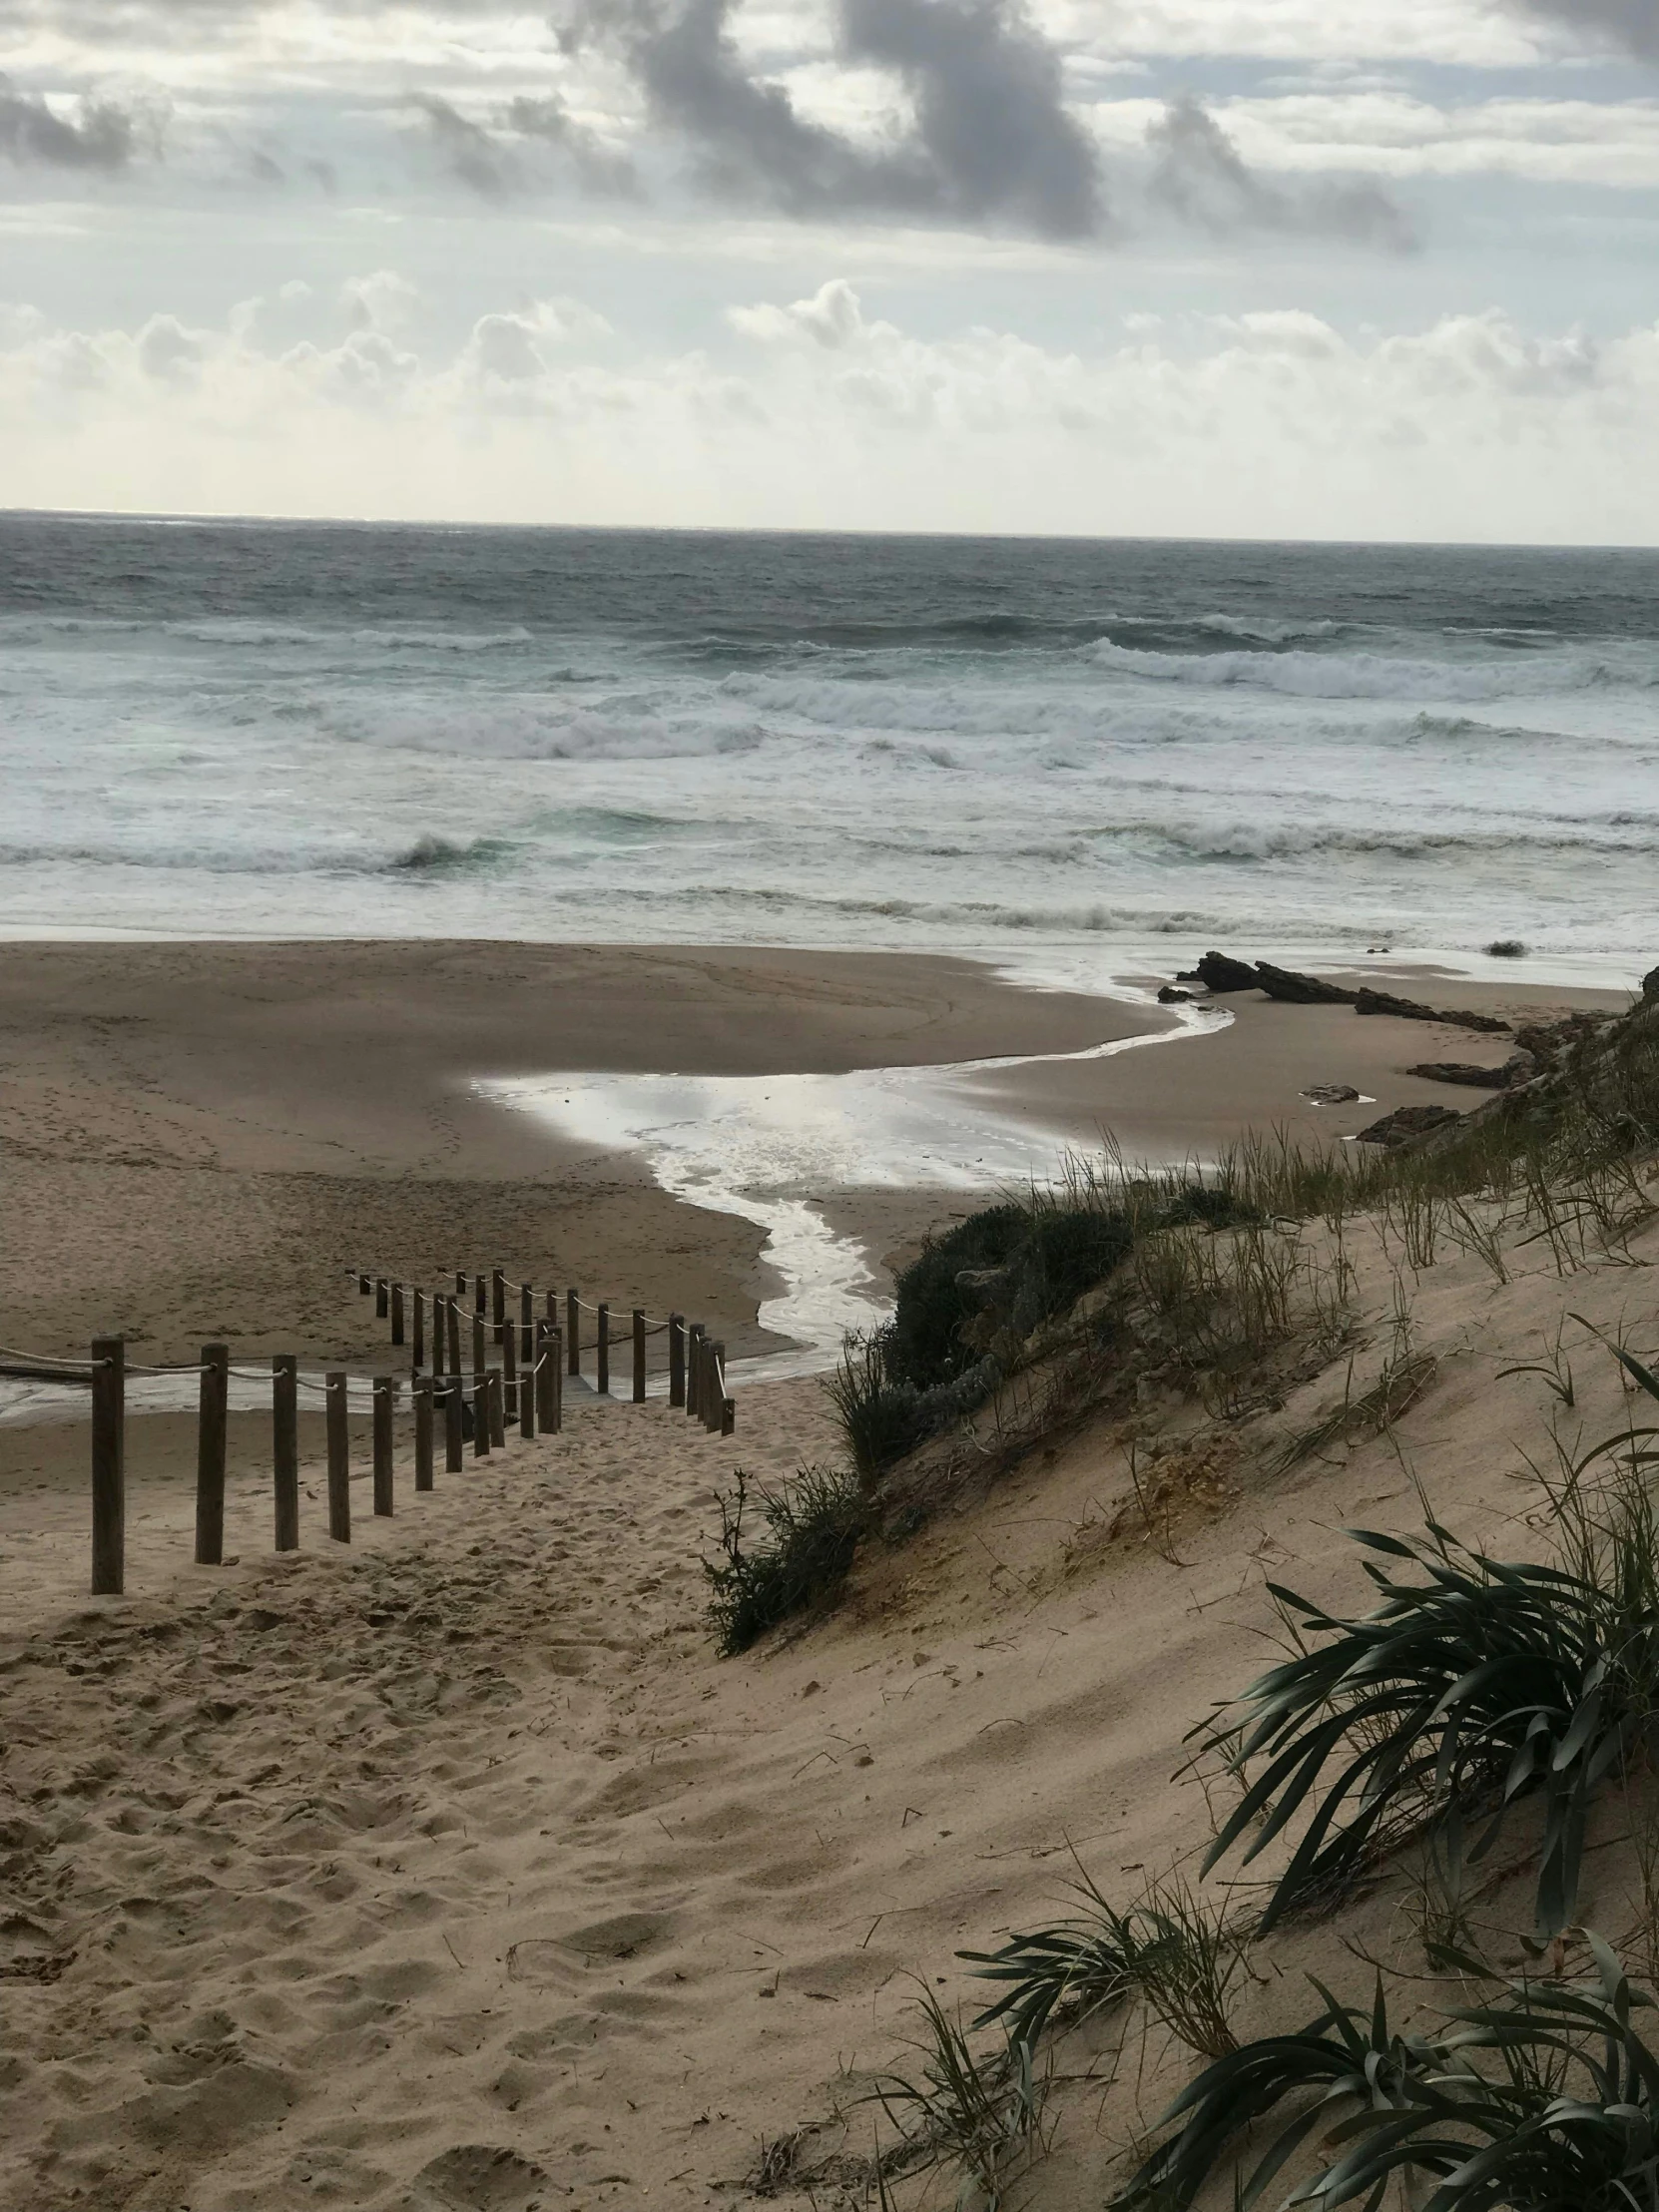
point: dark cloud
(1631, 24)
(107, 138)
(992, 141)
(1200, 175)
(466, 149)
(597, 168)
(990, 117)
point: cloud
(991, 140)
(466, 149)
(1275, 423)
(1631, 24)
(1200, 175)
(107, 138)
(599, 167)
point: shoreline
(199, 1135)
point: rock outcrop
(1367, 1001)
(1301, 990)
(1407, 1122)
(1224, 974)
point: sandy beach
(453, 1872)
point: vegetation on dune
(811, 1532)
(1545, 2099)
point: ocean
(1120, 752)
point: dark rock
(1367, 1001)
(1224, 974)
(1407, 1122)
(1170, 997)
(1330, 1094)
(1188, 975)
(1464, 1071)
(1547, 1040)
(1301, 990)
(1507, 948)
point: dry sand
(453, 1873)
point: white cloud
(1272, 422)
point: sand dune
(454, 1871)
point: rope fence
(518, 1371)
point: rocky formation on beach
(1407, 1122)
(1520, 1067)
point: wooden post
(423, 1432)
(526, 1400)
(694, 1368)
(557, 1371)
(526, 1322)
(214, 1407)
(480, 1416)
(480, 1357)
(454, 1438)
(715, 1392)
(383, 1446)
(339, 1462)
(109, 1466)
(602, 1352)
(460, 1282)
(729, 1417)
(417, 1355)
(676, 1359)
(573, 1334)
(639, 1354)
(285, 1448)
(498, 1297)
(498, 1414)
(453, 1319)
(481, 1302)
(381, 1296)
(509, 1367)
(364, 1286)
(398, 1313)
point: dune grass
(812, 1534)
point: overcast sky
(1271, 268)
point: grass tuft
(811, 1533)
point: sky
(1330, 268)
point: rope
(50, 1359)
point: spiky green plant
(1168, 1948)
(981, 2117)
(1544, 2100)
(812, 1535)
(1474, 1679)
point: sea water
(1082, 761)
(1092, 753)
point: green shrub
(1545, 2100)
(924, 1344)
(811, 1533)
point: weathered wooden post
(460, 1282)
(676, 1359)
(339, 1461)
(509, 1367)
(558, 1374)
(284, 1449)
(482, 1301)
(480, 1357)
(573, 1332)
(454, 1428)
(381, 1298)
(109, 1466)
(398, 1313)
(498, 1297)
(211, 1417)
(729, 1417)
(526, 1322)
(497, 1407)
(417, 1355)
(526, 1398)
(383, 1446)
(602, 1352)
(713, 1398)
(543, 1383)
(694, 1368)
(364, 1286)
(639, 1354)
(423, 1432)
(480, 1414)
(452, 1320)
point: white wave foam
(1368, 675)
